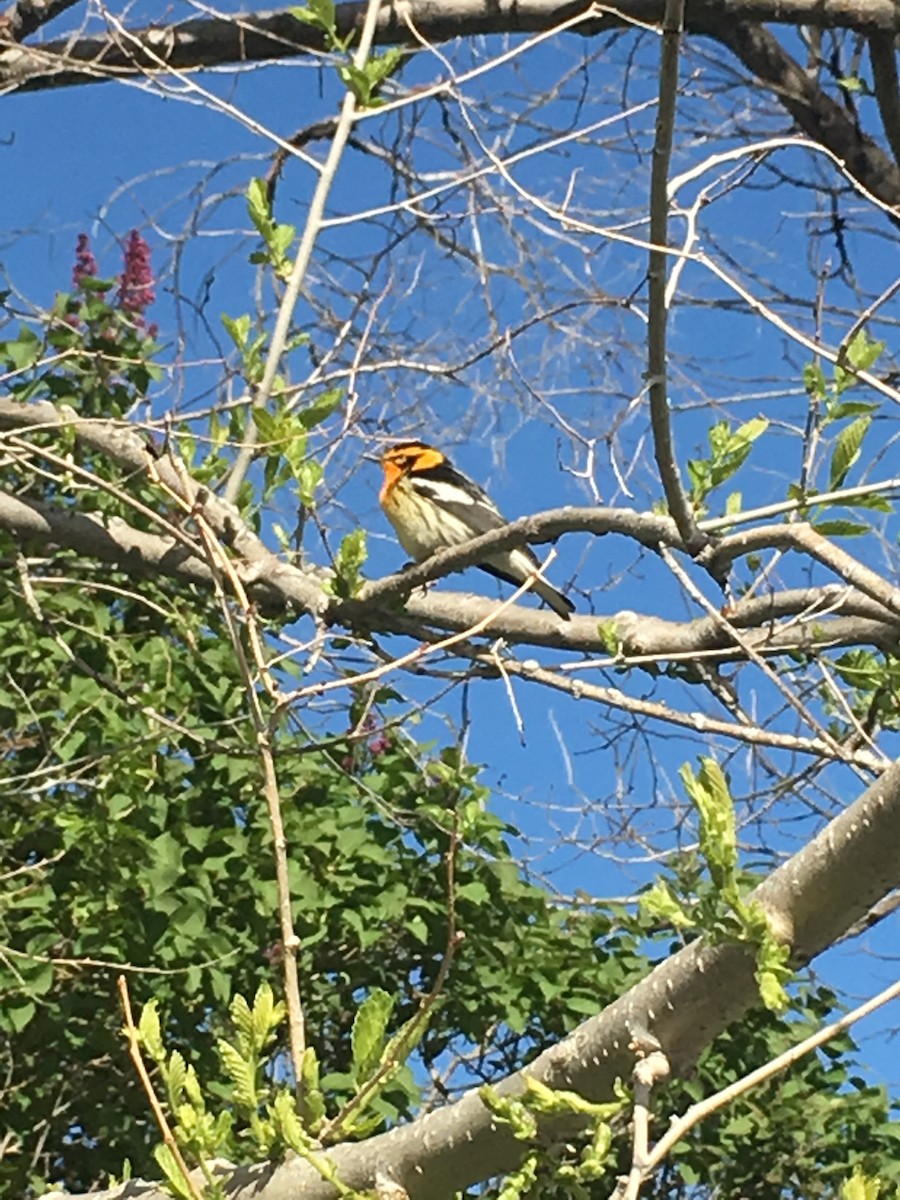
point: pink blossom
(136, 292)
(85, 263)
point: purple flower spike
(85, 263)
(136, 292)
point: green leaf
(242, 1019)
(839, 409)
(311, 1093)
(718, 837)
(861, 353)
(376, 69)
(286, 1123)
(356, 80)
(320, 409)
(309, 477)
(814, 381)
(16, 1016)
(24, 351)
(176, 1075)
(847, 449)
(864, 352)
(860, 1186)
(368, 1037)
(242, 1073)
(728, 452)
(270, 426)
(169, 1167)
(543, 1099)
(319, 14)
(258, 207)
(746, 434)
(238, 329)
(608, 631)
(150, 1032)
(839, 528)
(658, 904)
(348, 565)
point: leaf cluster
(719, 910)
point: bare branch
(883, 56)
(657, 307)
(816, 113)
(704, 1108)
(222, 569)
(826, 616)
(137, 1058)
(121, 442)
(751, 735)
(277, 35)
(26, 17)
(311, 231)
(804, 538)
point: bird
(432, 505)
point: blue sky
(105, 159)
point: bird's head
(405, 458)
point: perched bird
(431, 505)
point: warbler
(431, 505)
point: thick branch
(799, 619)
(26, 17)
(814, 111)
(831, 615)
(267, 36)
(685, 1003)
(804, 539)
(644, 636)
(645, 528)
(124, 445)
(883, 56)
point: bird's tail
(561, 605)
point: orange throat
(392, 473)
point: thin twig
(408, 1037)
(814, 500)
(803, 538)
(699, 1112)
(862, 320)
(134, 1050)
(652, 1067)
(657, 312)
(420, 652)
(308, 239)
(753, 655)
(221, 569)
(697, 722)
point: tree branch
(751, 735)
(26, 17)
(883, 57)
(123, 444)
(276, 35)
(684, 1003)
(311, 230)
(815, 112)
(657, 302)
(813, 618)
